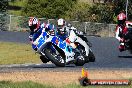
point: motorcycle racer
(36, 29)
(121, 30)
(52, 43)
(68, 32)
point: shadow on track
(40, 66)
(125, 56)
(51, 66)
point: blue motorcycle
(53, 48)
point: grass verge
(17, 53)
(30, 84)
(105, 86)
(27, 84)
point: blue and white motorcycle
(58, 51)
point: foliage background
(79, 10)
(3, 14)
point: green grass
(27, 84)
(97, 86)
(30, 84)
(17, 53)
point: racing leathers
(121, 29)
(35, 34)
(72, 35)
(121, 32)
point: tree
(3, 14)
(3, 6)
(105, 13)
(95, 13)
(47, 8)
(79, 12)
(120, 5)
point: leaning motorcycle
(58, 51)
(128, 37)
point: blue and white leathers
(44, 38)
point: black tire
(130, 51)
(128, 46)
(44, 59)
(79, 62)
(86, 59)
(91, 56)
(52, 58)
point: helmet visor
(33, 27)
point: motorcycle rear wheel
(91, 56)
(80, 61)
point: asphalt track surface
(105, 50)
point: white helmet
(60, 22)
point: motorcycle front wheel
(54, 58)
(44, 59)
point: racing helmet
(50, 28)
(121, 16)
(61, 26)
(61, 23)
(33, 24)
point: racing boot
(121, 48)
